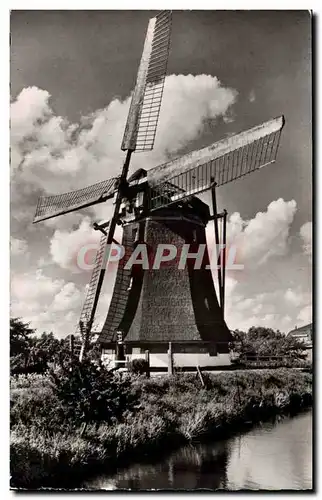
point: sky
(72, 73)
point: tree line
(32, 353)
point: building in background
(304, 334)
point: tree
(44, 349)
(20, 333)
(28, 352)
(20, 344)
(266, 342)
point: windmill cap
(138, 174)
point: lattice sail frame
(141, 123)
(222, 162)
(93, 284)
(145, 106)
(51, 206)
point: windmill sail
(145, 106)
(93, 287)
(222, 162)
(51, 206)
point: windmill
(161, 206)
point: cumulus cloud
(49, 304)
(68, 297)
(264, 236)
(18, 246)
(69, 248)
(189, 101)
(257, 240)
(263, 309)
(48, 152)
(305, 315)
(32, 285)
(306, 235)
(297, 297)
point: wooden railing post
(170, 360)
(147, 359)
(200, 376)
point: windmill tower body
(174, 302)
(150, 306)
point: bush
(37, 407)
(139, 366)
(91, 393)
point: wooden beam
(224, 262)
(170, 360)
(147, 359)
(200, 376)
(214, 208)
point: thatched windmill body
(175, 302)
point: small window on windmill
(139, 199)
(206, 303)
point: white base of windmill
(181, 360)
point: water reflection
(271, 456)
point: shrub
(36, 406)
(91, 393)
(139, 366)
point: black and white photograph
(161, 180)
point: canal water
(271, 456)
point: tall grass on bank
(47, 450)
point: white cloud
(278, 309)
(48, 304)
(48, 152)
(54, 305)
(297, 297)
(66, 221)
(306, 235)
(305, 315)
(30, 286)
(257, 240)
(69, 297)
(18, 246)
(264, 236)
(252, 96)
(188, 101)
(69, 248)
(28, 112)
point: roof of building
(302, 330)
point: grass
(47, 451)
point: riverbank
(172, 411)
(274, 455)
